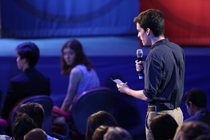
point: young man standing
(30, 82)
(164, 70)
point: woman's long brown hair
(80, 57)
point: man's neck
(25, 67)
(156, 39)
(195, 110)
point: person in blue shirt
(164, 70)
(195, 101)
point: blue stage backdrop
(53, 18)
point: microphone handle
(142, 70)
(139, 59)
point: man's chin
(146, 45)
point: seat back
(47, 104)
(88, 102)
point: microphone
(139, 54)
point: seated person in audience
(35, 111)
(99, 132)
(30, 82)
(117, 133)
(191, 130)
(163, 127)
(80, 70)
(22, 125)
(97, 119)
(36, 134)
(195, 101)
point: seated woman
(80, 70)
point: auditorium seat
(86, 103)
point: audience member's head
(36, 134)
(22, 125)
(191, 130)
(163, 127)
(194, 100)
(97, 119)
(33, 110)
(99, 132)
(72, 55)
(28, 51)
(117, 133)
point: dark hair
(33, 110)
(97, 119)
(197, 97)
(80, 57)
(152, 19)
(30, 51)
(191, 130)
(163, 127)
(117, 133)
(99, 132)
(36, 134)
(22, 125)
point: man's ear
(190, 104)
(148, 31)
(25, 60)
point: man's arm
(123, 88)
(9, 102)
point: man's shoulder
(175, 46)
(27, 76)
(192, 118)
(32, 72)
(201, 115)
(51, 138)
(18, 77)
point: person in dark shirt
(195, 101)
(164, 70)
(30, 82)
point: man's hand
(139, 65)
(122, 87)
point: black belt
(156, 108)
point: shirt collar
(29, 69)
(201, 110)
(163, 41)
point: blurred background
(109, 38)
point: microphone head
(139, 53)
